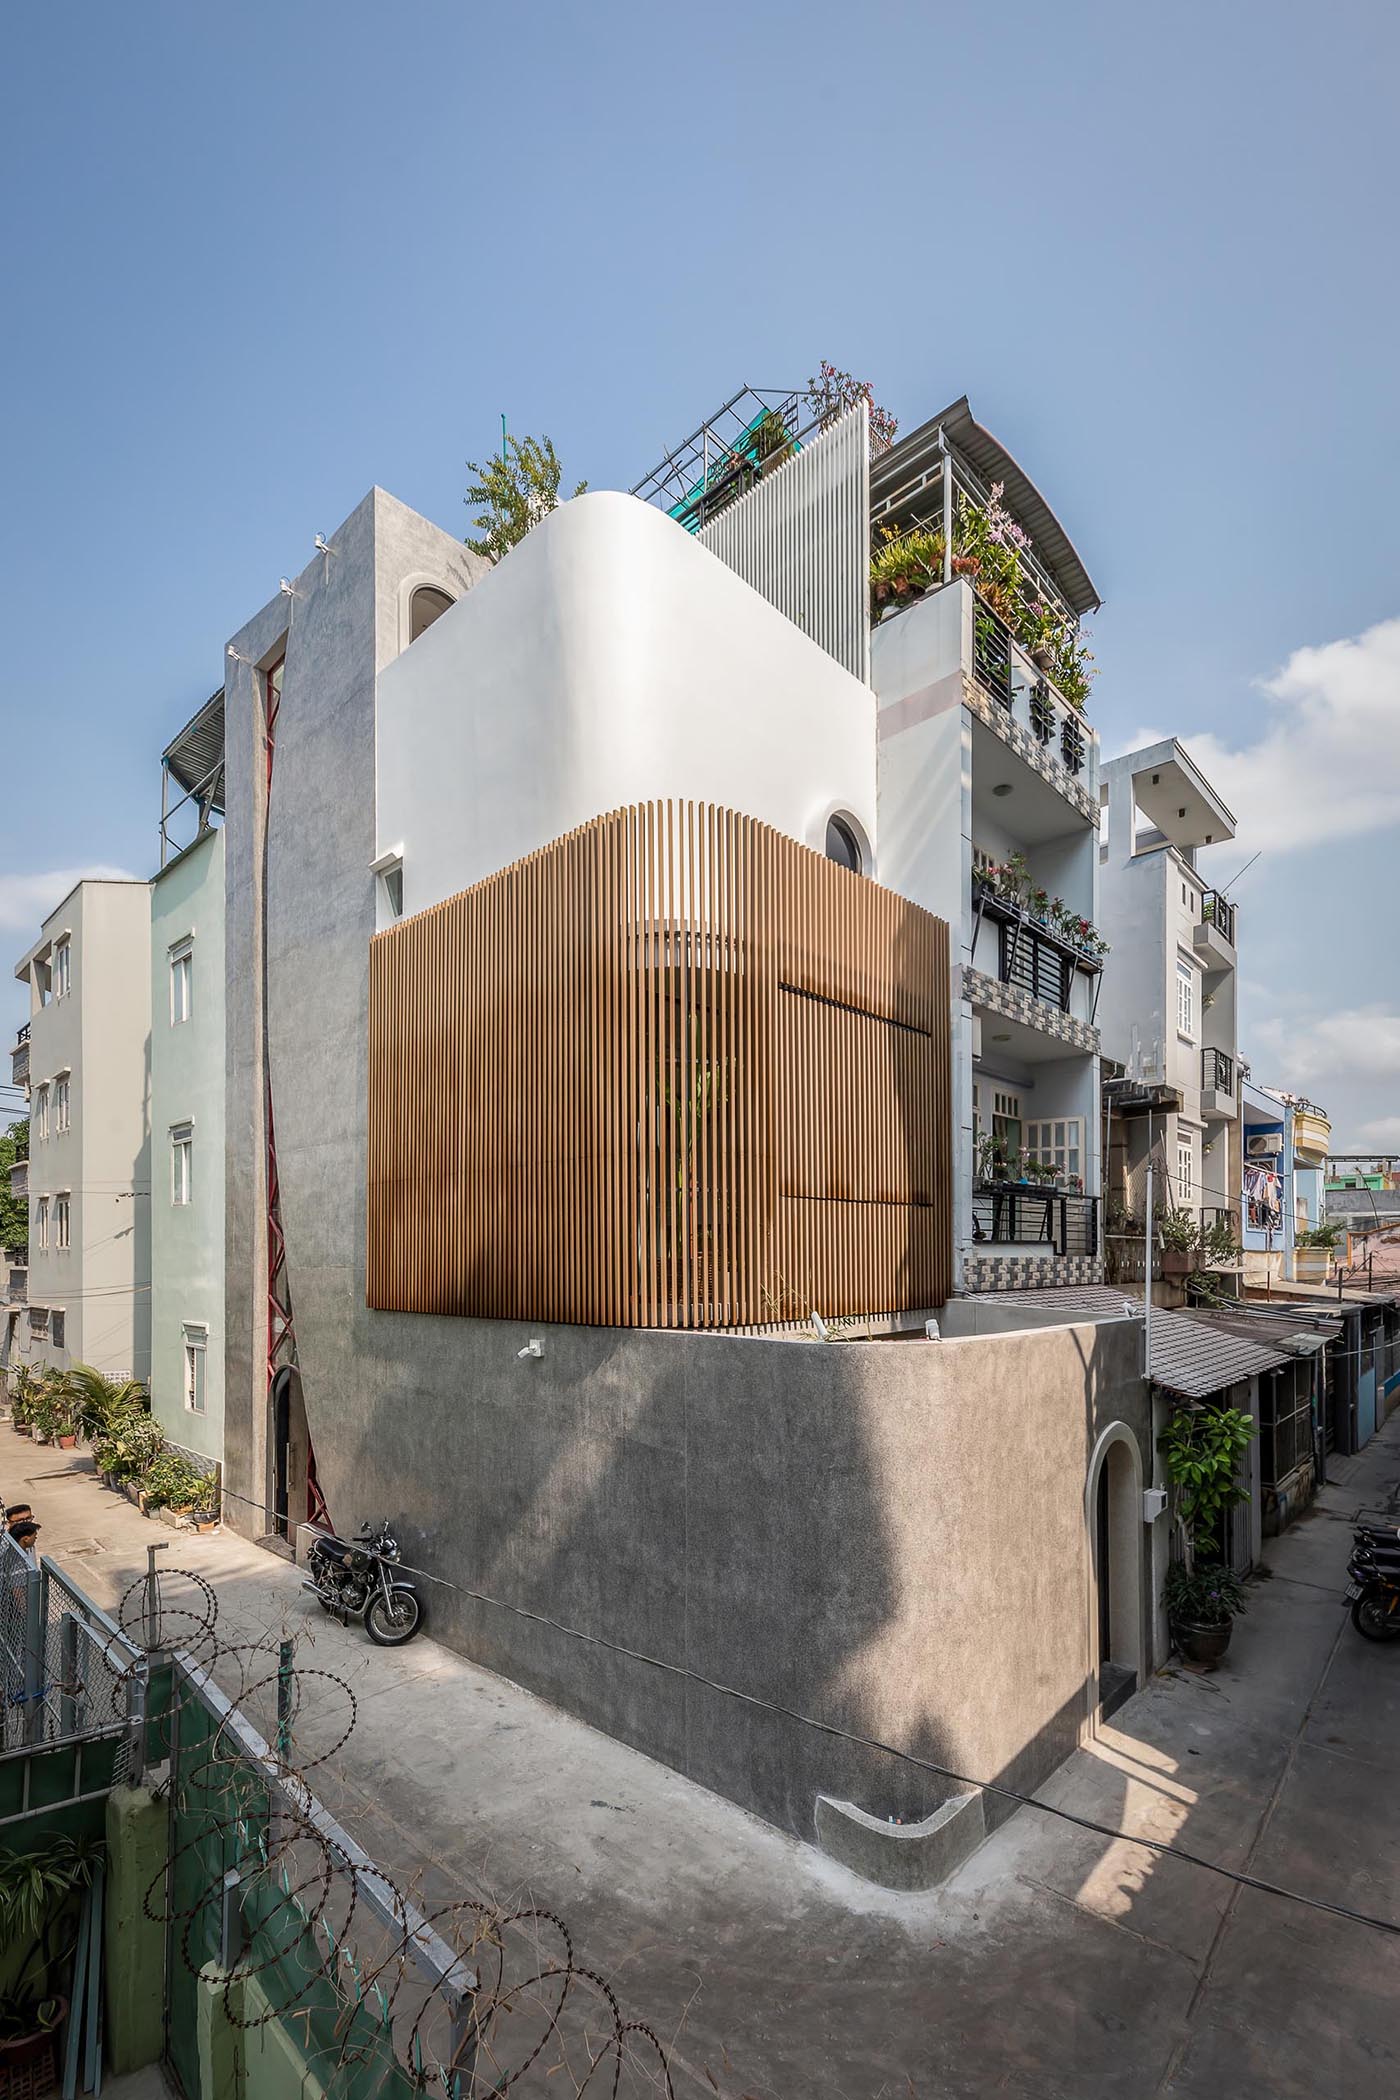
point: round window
(842, 845)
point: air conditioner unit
(1268, 1145)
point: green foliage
(1206, 1595)
(14, 1210)
(1201, 1447)
(35, 1888)
(903, 567)
(1320, 1236)
(832, 392)
(1219, 1246)
(97, 1402)
(512, 494)
(129, 1445)
(1178, 1230)
(171, 1482)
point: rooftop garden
(988, 549)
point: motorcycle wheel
(1373, 1622)
(388, 1631)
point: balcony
(1218, 1091)
(19, 1179)
(17, 1286)
(1034, 954)
(1049, 1220)
(1214, 937)
(19, 1058)
(1007, 674)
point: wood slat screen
(673, 1070)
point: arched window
(842, 845)
(425, 606)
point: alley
(775, 1972)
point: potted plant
(37, 1922)
(1202, 1446)
(1178, 1236)
(1312, 1253)
(1202, 1602)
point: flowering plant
(831, 393)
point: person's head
(24, 1531)
(19, 1509)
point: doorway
(1115, 1535)
(291, 1458)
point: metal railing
(1217, 911)
(1005, 672)
(70, 1673)
(1007, 1214)
(1218, 1071)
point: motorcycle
(1373, 1590)
(352, 1579)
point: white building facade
(89, 1175)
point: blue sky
(262, 257)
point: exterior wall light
(534, 1347)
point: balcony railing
(19, 1057)
(1008, 1214)
(1217, 911)
(1218, 1071)
(1032, 955)
(1003, 670)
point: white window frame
(181, 1165)
(41, 1111)
(181, 981)
(1185, 1000)
(1185, 1172)
(1058, 1142)
(194, 1340)
(62, 1221)
(62, 1103)
(41, 1224)
(62, 967)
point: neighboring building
(89, 1156)
(988, 808)
(1282, 1188)
(1168, 1013)
(188, 1142)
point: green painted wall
(133, 1945)
(187, 1086)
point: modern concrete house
(89, 1176)
(1283, 1197)
(188, 1143)
(604, 966)
(1169, 1007)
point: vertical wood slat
(674, 1069)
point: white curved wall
(609, 659)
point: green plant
(832, 392)
(1219, 1246)
(513, 493)
(1207, 1595)
(1320, 1236)
(129, 1446)
(14, 1210)
(172, 1482)
(35, 1888)
(1178, 1230)
(903, 567)
(96, 1402)
(1201, 1448)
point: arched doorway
(1113, 1502)
(290, 1446)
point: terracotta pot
(27, 2053)
(66, 1443)
(1180, 1261)
(1202, 1644)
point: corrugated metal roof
(199, 748)
(913, 456)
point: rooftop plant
(832, 392)
(513, 493)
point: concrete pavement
(1055, 1963)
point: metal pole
(34, 1656)
(69, 1684)
(284, 1702)
(947, 508)
(1147, 1260)
(150, 1611)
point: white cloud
(25, 900)
(1384, 1131)
(1348, 1061)
(1327, 765)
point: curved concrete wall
(608, 659)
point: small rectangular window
(196, 1341)
(1185, 1175)
(60, 1330)
(41, 1222)
(60, 1222)
(181, 1163)
(41, 1111)
(61, 1105)
(38, 1321)
(1185, 1000)
(181, 982)
(62, 969)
